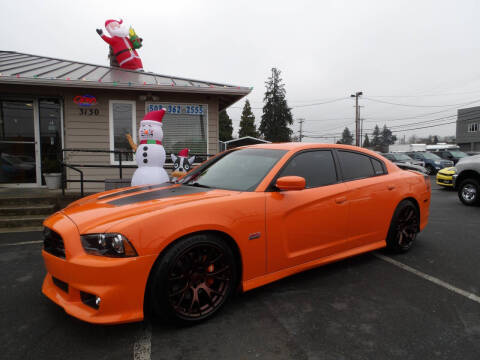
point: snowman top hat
(155, 117)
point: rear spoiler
(405, 166)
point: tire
(430, 170)
(403, 228)
(193, 280)
(469, 192)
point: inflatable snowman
(150, 152)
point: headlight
(113, 245)
(437, 162)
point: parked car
(453, 155)
(433, 162)
(445, 177)
(407, 166)
(466, 180)
(244, 218)
(398, 157)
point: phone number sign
(175, 109)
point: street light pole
(357, 117)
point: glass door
(18, 163)
(49, 111)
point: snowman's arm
(130, 141)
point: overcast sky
(420, 54)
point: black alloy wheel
(469, 192)
(404, 227)
(194, 279)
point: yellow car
(444, 177)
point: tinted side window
(317, 167)
(355, 165)
(377, 167)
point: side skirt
(271, 277)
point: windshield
(403, 157)
(430, 156)
(458, 153)
(240, 170)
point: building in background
(48, 105)
(468, 129)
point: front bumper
(444, 180)
(445, 177)
(119, 282)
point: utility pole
(301, 121)
(357, 117)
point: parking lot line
(430, 278)
(23, 243)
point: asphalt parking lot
(425, 306)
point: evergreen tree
(386, 137)
(276, 113)
(225, 126)
(366, 142)
(375, 143)
(247, 122)
(347, 137)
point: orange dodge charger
(242, 219)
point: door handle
(340, 200)
(391, 187)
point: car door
(371, 197)
(311, 223)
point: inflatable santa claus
(122, 45)
(150, 154)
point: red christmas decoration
(123, 49)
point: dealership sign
(85, 100)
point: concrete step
(26, 201)
(17, 221)
(40, 209)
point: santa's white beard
(120, 32)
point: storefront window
(184, 126)
(122, 122)
(17, 142)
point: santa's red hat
(183, 153)
(155, 116)
(110, 21)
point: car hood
(468, 159)
(98, 212)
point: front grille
(53, 243)
(60, 284)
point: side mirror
(289, 183)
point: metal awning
(26, 69)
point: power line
(413, 105)
(298, 106)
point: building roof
(26, 69)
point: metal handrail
(120, 165)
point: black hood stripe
(130, 191)
(159, 194)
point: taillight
(427, 182)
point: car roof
(295, 146)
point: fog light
(97, 301)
